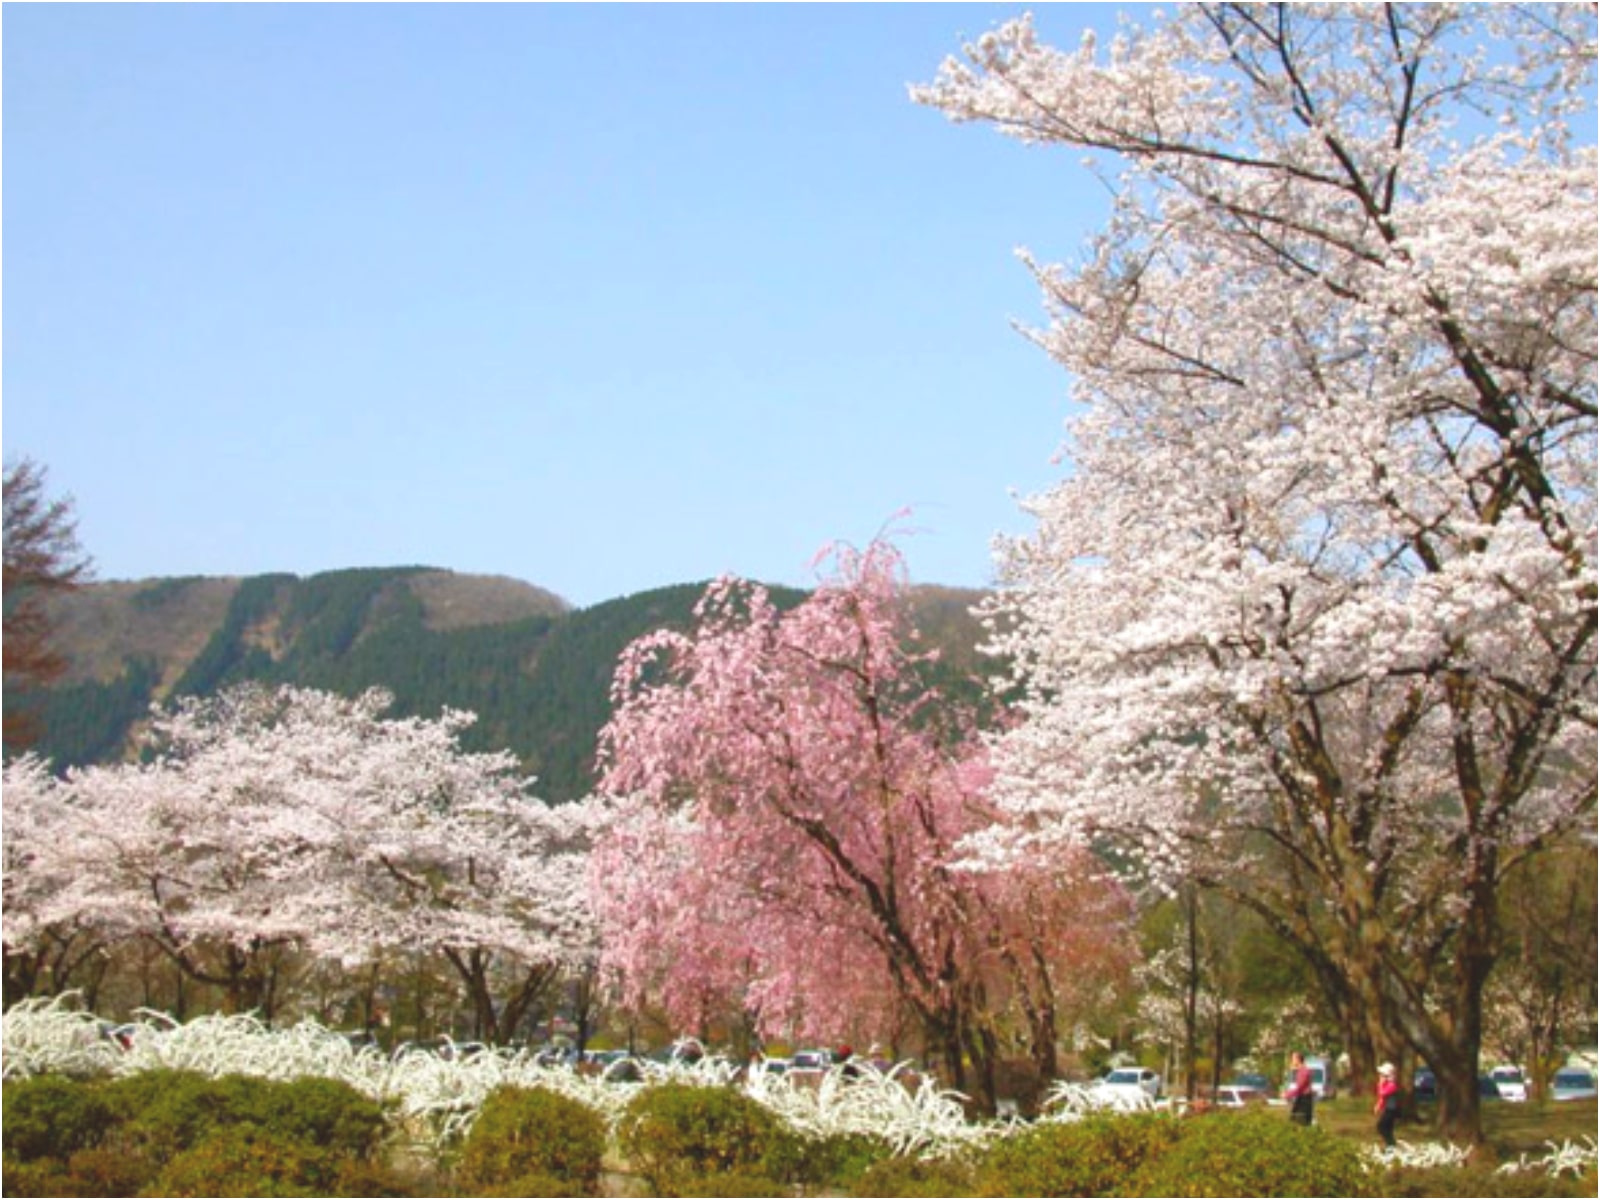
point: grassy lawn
(1511, 1129)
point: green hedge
(246, 1160)
(163, 1112)
(1481, 1181)
(533, 1140)
(1097, 1156)
(905, 1176)
(52, 1117)
(1251, 1154)
(177, 1133)
(676, 1135)
(831, 1162)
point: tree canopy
(1313, 616)
(42, 556)
(790, 848)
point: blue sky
(600, 297)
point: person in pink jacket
(1299, 1091)
(1387, 1109)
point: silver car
(1510, 1083)
(1134, 1083)
(1572, 1083)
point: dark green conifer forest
(539, 683)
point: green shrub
(733, 1183)
(522, 1186)
(106, 1171)
(35, 1177)
(361, 1177)
(676, 1134)
(1254, 1154)
(324, 1112)
(905, 1176)
(160, 1132)
(166, 1112)
(1096, 1156)
(833, 1160)
(525, 1133)
(1479, 1181)
(245, 1160)
(51, 1117)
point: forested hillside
(535, 671)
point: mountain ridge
(535, 669)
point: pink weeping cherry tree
(793, 799)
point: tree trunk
(21, 975)
(243, 980)
(1191, 995)
(1217, 1031)
(1459, 1113)
(1043, 1037)
(942, 1045)
(473, 967)
(982, 1049)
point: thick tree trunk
(473, 967)
(982, 1049)
(1459, 1113)
(944, 1049)
(21, 975)
(496, 1024)
(1043, 1037)
(1035, 993)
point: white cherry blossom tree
(295, 819)
(42, 948)
(1313, 615)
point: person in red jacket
(1387, 1109)
(1299, 1092)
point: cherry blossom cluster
(786, 848)
(293, 817)
(1313, 616)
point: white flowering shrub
(1422, 1155)
(1559, 1158)
(1067, 1101)
(45, 1036)
(436, 1096)
(923, 1119)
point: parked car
(811, 1060)
(1233, 1096)
(687, 1051)
(1488, 1089)
(1572, 1083)
(615, 1066)
(1130, 1083)
(1511, 1083)
(555, 1056)
(1251, 1080)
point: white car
(1510, 1083)
(811, 1060)
(1138, 1085)
(1572, 1083)
(1233, 1096)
